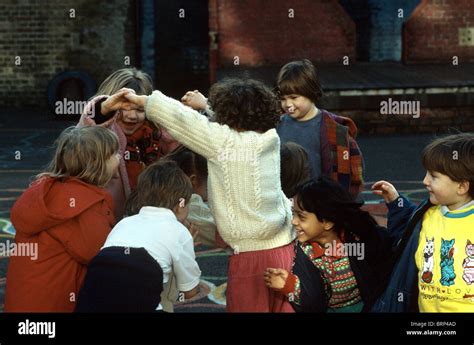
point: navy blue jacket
(404, 224)
(121, 280)
(370, 273)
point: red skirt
(246, 289)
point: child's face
(131, 120)
(199, 186)
(201, 189)
(444, 191)
(112, 164)
(298, 107)
(307, 225)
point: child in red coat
(64, 217)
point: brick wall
(49, 41)
(431, 34)
(260, 32)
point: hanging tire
(72, 86)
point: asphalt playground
(26, 141)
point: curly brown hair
(244, 105)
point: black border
(218, 328)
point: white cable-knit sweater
(244, 188)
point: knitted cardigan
(340, 155)
(244, 188)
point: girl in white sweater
(245, 196)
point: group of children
(263, 173)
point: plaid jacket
(340, 155)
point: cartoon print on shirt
(428, 261)
(468, 264)
(447, 262)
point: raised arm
(185, 124)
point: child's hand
(194, 231)
(117, 101)
(275, 278)
(195, 100)
(138, 101)
(386, 190)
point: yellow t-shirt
(445, 261)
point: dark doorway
(182, 46)
(379, 27)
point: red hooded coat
(68, 222)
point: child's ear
(327, 225)
(463, 187)
(194, 180)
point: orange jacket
(68, 222)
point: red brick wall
(431, 33)
(260, 32)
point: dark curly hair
(244, 105)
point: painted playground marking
(218, 294)
(7, 227)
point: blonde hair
(126, 77)
(82, 152)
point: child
(200, 219)
(242, 151)
(200, 215)
(195, 167)
(66, 216)
(340, 252)
(434, 270)
(328, 139)
(141, 142)
(294, 167)
(162, 247)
